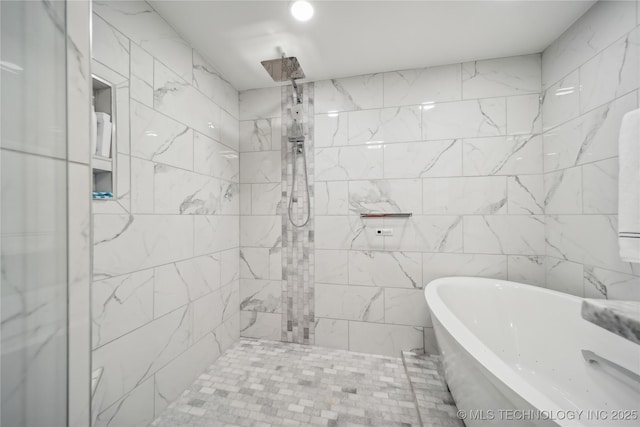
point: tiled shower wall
(591, 76)
(165, 291)
(457, 146)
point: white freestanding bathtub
(512, 356)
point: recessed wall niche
(103, 142)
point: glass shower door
(33, 214)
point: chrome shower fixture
(285, 69)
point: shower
(288, 69)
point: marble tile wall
(591, 76)
(165, 293)
(40, 168)
(459, 146)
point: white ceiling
(346, 38)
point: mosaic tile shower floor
(265, 383)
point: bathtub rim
(481, 353)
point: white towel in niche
(629, 187)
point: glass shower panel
(33, 214)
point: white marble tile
(600, 187)
(601, 283)
(397, 195)
(260, 166)
(142, 192)
(38, 123)
(504, 234)
(349, 94)
(141, 75)
(254, 263)
(437, 265)
(433, 233)
(525, 194)
(229, 134)
(215, 159)
(255, 324)
(587, 239)
(398, 124)
(347, 232)
(109, 46)
(406, 307)
(140, 22)
(245, 199)
(524, 115)
(210, 82)
(422, 86)
(423, 159)
(563, 191)
(266, 199)
(331, 266)
(348, 163)
(564, 276)
(464, 119)
(255, 135)
(156, 137)
(212, 309)
(332, 333)
(134, 409)
(612, 73)
(78, 116)
(464, 195)
(275, 263)
(430, 342)
(141, 64)
(260, 231)
(588, 138)
(181, 101)
(145, 350)
(124, 243)
(185, 281)
(177, 191)
(332, 198)
(387, 340)
(528, 269)
(207, 313)
(261, 295)
(394, 269)
(120, 305)
(260, 103)
(215, 233)
(561, 101)
(172, 380)
(230, 265)
(364, 303)
(601, 25)
(331, 129)
(79, 281)
(511, 155)
(515, 75)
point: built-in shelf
(104, 168)
(102, 163)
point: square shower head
(284, 69)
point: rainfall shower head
(284, 69)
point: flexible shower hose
(293, 184)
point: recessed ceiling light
(302, 10)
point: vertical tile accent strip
(298, 319)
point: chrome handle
(386, 215)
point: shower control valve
(384, 231)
